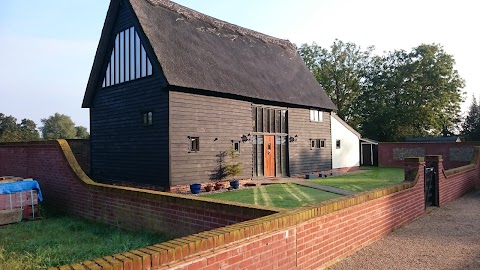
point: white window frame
(316, 116)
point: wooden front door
(269, 156)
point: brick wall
(454, 154)
(67, 188)
(305, 238)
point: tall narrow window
(117, 64)
(128, 60)
(122, 57)
(194, 144)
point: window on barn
(128, 60)
(316, 116)
(194, 144)
(338, 144)
(147, 118)
(317, 143)
(236, 146)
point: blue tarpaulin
(14, 187)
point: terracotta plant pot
(218, 186)
(208, 188)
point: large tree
(339, 70)
(11, 131)
(58, 126)
(411, 94)
(471, 125)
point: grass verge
(276, 195)
(57, 240)
(365, 179)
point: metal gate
(431, 186)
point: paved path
(444, 238)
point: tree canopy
(390, 97)
(471, 125)
(60, 126)
(339, 70)
(11, 131)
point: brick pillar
(411, 167)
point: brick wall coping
(177, 250)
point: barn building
(171, 89)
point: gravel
(443, 238)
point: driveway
(443, 238)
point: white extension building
(346, 144)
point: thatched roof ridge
(219, 24)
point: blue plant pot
(195, 188)
(235, 184)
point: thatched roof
(200, 52)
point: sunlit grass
(276, 195)
(365, 179)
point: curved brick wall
(305, 238)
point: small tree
(233, 168)
(471, 126)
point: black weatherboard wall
(122, 148)
(218, 123)
(304, 158)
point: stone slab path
(444, 238)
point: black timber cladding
(122, 148)
(217, 122)
(302, 157)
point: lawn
(276, 195)
(57, 240)
(365, 179)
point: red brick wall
(128, 207)
(455, 183)
(386, 152)
(306, 238)
(320, 241)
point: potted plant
(208, 188)
(219, 172)
(233, 168)
(195, 188)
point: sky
(47, 48)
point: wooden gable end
(128, 118)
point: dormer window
(128, 60)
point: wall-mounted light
(293, 139)
(245, 137)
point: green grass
(365, 179)
(276, 195)
(58, 240)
